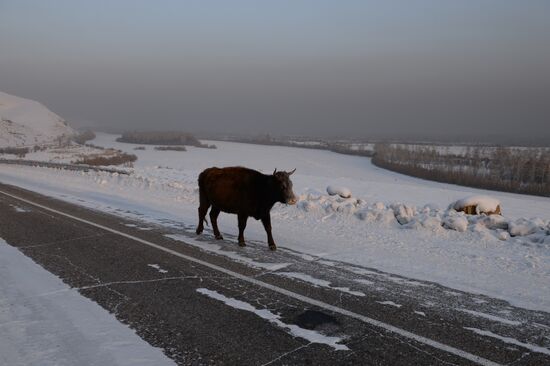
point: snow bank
(458, 223)
(403, 213)
(427, 217)
(525, 227)
(24, 122)
(483, 204)
(45, 322)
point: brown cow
(244, 192)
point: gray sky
(410, 68)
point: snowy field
(45, 322)
(392, 222)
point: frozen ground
(394, 223)
(44, 322)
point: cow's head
(285, 187)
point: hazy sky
(360, 68)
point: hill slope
(25, 122)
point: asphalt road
(207, 301)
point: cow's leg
(203, 209)
(266, 220)
(242, 226)
(214, 212)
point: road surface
(211, 302)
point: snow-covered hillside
(25, 122)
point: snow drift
(340, 191)
(405, 216)
(24, 122)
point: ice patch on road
(398, 280)
(403, 281)
(318, 282)
(157, 267)
(218, 249)
(509, 340)
(20, 209)
(390, 303)
(363, 281)
(490, 317)
(296, 331)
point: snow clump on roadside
(481, 204)
(340, 191)
(524, 227)
(456, 222)
(428, 217)
(403, 213)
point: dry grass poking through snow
(18, 151)
(107, 157)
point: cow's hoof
(242, 244)
(272, 247)
(198, 232)
(219, 237)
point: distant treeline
(518, 170)
(109, 157)
(170, 148)
(162, 138)
(83, 136)
(343, 148)
(19, 151)
(338, 147)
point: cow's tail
(202, 177)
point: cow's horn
(275, 171)
(290, 173)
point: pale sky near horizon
(415, 68)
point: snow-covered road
(209, 302)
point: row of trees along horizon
(162, 138)
(518, 170)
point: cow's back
(231, 189)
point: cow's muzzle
(291, 201)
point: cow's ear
(292, 172)
(275, 171)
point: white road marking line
(404, 333)
(509, 340)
